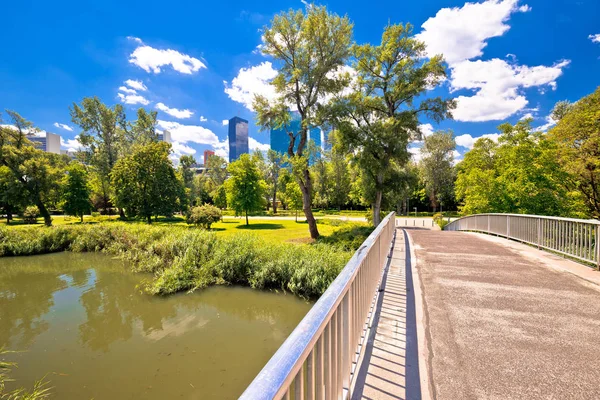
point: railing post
(597, 247)
(508, 226)
(488, 231)
(539, 232)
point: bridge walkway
(505, 323)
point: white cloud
(426, 129)
(151, 60)
(550, 122)
(251, 81)
(595, 38)
(134, 39)
(526, 116)
(222, 149)
(71, 144)
(188, 133)
(133, 99)
(461, 33)
(127, 90)
(63, 126)
(415, 152)
(225, 122)
(203, 119)
(180, 149)
(174, 112)
(498, 87)
(456, 154)
(468, 141)
(137, 85)
(254, 144)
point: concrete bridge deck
(494, 320)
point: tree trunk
(149, 218)
(296, 215)
(44, 212)
(81, 218)
(122, 213)
(275, 201)
(306, 202)
(247, 218)
(378, 197)
(8, 217)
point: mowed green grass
(270, 229)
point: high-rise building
(207, 153)
(280, 140)
(48, 142)
(165, 136)
(238, 138)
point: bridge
(494, 307)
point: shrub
(204, 216)
(369, 216)
(439, 219)
(31, 214)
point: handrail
(575, 238)
(316, 360)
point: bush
(439, 219)
(204, 216)
(369, 216)
(31, 214)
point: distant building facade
(48, 142)
(165, 136)
(208, 153)
(238, 138)
(280, 140)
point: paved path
(390, 368)
(501, 325)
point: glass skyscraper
(238, 138)
(280, 139)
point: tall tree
(437, 168)
(39, 173)
(245, 187)
(103, 137)
(187, 176)
(338, 172)
(216, 172)
(143, 130)
(12, 193)
(146, 183)
(381, 115)
(577, 135)
(275, 163)
(76, 192)
(310, 49)
(293, 195)
(322, 183)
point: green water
(80, 321)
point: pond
(79, 320)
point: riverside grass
(184, 259)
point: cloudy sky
(197, 63)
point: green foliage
(577, 140)
(40, 388)
(381, 114)
(204, 216)
(76, 192)
(31, 214)
(145, 182)
(440, 221)
(220, 198)
(519, 174)
(348, 238)
(190, 259)
(437, 169)
(12, 193)
(245, 187)
(293, 197)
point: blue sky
(196, 62)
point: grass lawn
(270, 229)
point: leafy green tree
(311, 49)
(245, 187)
(39, 173)
(437, 168)
(143, 130)
(103, 137)
(187, 177)
(322, 182)
(293, 195)
(381, 115)
(577, 137)
(221, 198)
(204, 216)
(146, 183)
(339, 174)
(275, 162)
(285, 177)
(200, 190)
(401, 186)
(12, 193)
(76, 192)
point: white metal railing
(318, 359)
(576, 238)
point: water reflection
(81, 319)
